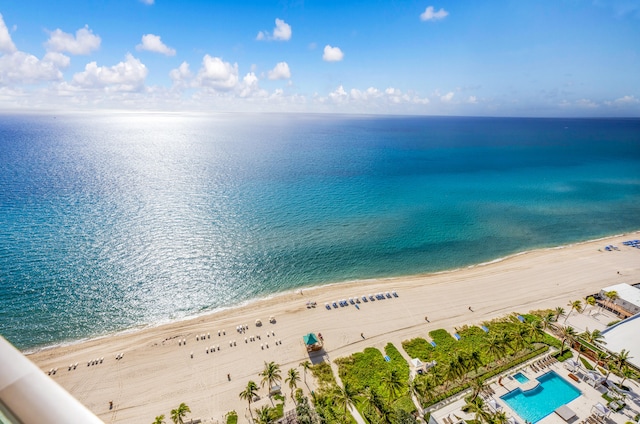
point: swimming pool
(535, 404)
(520, 377)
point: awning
(310, 339)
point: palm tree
(371, 402)
(477, 386)
(159, 419)
(495, 347)
(474, 360)
(292, 379)
(249, 393)
(593, 337)
(627, 372)
(476, 406)
(265, 415)
(559, 311)
(306, 365)
(602, 358)
(393, 383)
(499, 417)
(620, 359)
(591, 301)
(535, 330)
(612, 296)
(179, 413)
(567, 333)
(271, 374)
(344, 398)
(576, 305)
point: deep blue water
(113, 221)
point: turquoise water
(110, 222)
(521, 378)
(533, 405)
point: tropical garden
(380, 387)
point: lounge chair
(394, 294)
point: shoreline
(249, 302)
(157, 373)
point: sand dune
(156, 374)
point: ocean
(111, 222)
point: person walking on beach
(362, 335)
(470, 309)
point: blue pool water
(533, 405)
(521, 377)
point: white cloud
(153, 43)
(586, 103)
(84, 41)
(148, 2)
(23, 68)
(125, 76)
(249, 87)
(472, 100)
(281, 32)
(181, 75)
(446, 98)
(430, 14)
(332, 54)
(217, 74)
(372, 99)
(627, 100)
(6, 44)
(281, 71)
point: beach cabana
(600, 410)
(571, 365)
(593, 379)
(312, 342)
(493, 405)
(418, 365)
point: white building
(628, 297)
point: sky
(547, 58)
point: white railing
(27, 395)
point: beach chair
(394, 294)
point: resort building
(624, 335)
(627, 302)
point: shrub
(586, 364)
(232, 417)
(322, 372)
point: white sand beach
(155, 374)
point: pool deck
(451, 413)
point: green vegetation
(586, 364)
(179, 413)
(323, 374)
(232, 417)
(478, 355)
(382, 387)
